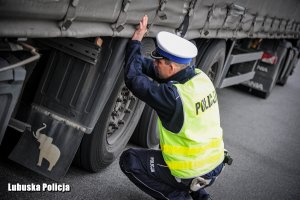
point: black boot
(200, 195)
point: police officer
(191, 141)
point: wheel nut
(119, 99)
(115, 113)
(113, 124)
(132, 98)
(127, 111)
(121, 122)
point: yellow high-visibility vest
(198, 148)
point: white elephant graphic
(48, 150)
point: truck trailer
(61, 69)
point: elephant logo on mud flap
(48, 151)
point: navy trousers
(147, 169)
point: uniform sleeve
(137, 69)
(133, 54)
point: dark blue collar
(183, 75)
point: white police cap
(174, 48)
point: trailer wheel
(146, 133)
(291, 58)
(113, 129)
(282, 53)
(211, 57)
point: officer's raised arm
(133, 51)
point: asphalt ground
(262, 136)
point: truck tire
(211, 57)
(113, 129)
(146, 133)
(282, 51)
(284, 74)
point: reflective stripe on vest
(198, 148)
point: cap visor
(155, 55)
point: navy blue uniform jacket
(161, 95)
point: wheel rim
(121, 114)
(212, 72)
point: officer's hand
(141, 30)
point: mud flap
(50, 147)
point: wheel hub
(120, 114)
(212, 72)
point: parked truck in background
(61, 69)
